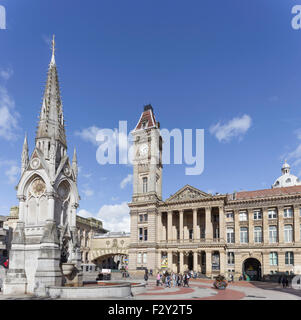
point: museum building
(252, 232)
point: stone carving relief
(35, 163)
(38, 188)
(187, 194)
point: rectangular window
(289, 258)
(144, 258)
(257, 215)
(145, 234)
(243, 216)
(272, 234)
(288, 233)
(140, 234)
(230, 256)
(230, 216)
(257, 234)
(140, 218)
(139, 257)
(230, 235)
(190, 234)
(144, 185)
(288, 212)
(273, 259)
(243, 235)
(272, 213)
(145, 217)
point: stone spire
(25, 157)
(74, 164)
(51, 122)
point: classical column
(195, 216)
(236, 226)
(181, 225)
(195, 261)
(265, 267)
(159, 226)
(169, 226)
(181, 262)
(265, 225)
(208, 228)
(222, 262)
(296, 209)
(222, 226)
(281, 261)
(208, 263)
(280, 225)
(251, 226)
(169, 259)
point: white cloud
(114, 217)
(236, 127)
(8, 116)
(295, 155)
(5, 74)
(12, 174)
(102, 138)
(87, 191)
(84, 213)
(127, 180)
(88, 134)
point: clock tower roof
(147, 119)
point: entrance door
(252, 269)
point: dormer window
(144, 124)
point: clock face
(143, 149)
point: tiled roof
(147, 115)
(267, 193)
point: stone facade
(255, 232)
(87, 229)
(45, 237)
(110, 250)
(3, 237)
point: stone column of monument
(15, 282)
(48, 198)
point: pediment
(188, 193)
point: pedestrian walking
(158, 279)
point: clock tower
(147, 192)
(147, 176)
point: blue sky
(233, 65)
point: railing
(202, 240)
